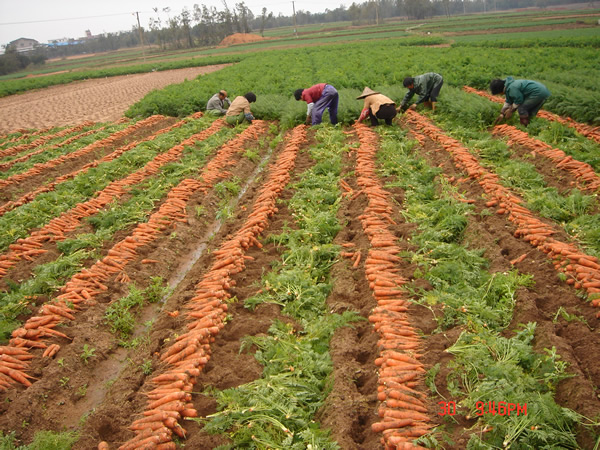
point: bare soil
(99, 100)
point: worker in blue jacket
(524, 96)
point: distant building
(22, 45)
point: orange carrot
(378, 427)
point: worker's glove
(524, 120)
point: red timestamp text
(500, 408)
(485, 408)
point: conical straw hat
(366, 92)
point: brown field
(99, 100)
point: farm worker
(427, 86)
(377, 106)
(319, 97)
(216, 104)
(239, 110)
(525, 96)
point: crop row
(582, 269)
(10, 162)
(66, 194)
(206, 312)
(90, 282)
(40, 167)
(405, 410)
(472, 300)
(583, 129)
(59, 227)
(403, 406)
(13, 150)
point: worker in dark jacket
(427, 86)
(525, 96)
(318, 98)
(218, 103)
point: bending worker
(239, 110)
(319, 97)
(377, 106)
(216, 104)
(427, 86)
(525, 96)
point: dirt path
(100, 100)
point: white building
(24, 44)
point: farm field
(169, 281)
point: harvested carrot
(378, 427)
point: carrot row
(23, 158)
(581, 171)
(41, 167)
(24, 133)
(89, 283)
(207, 309)
(582, 270)
(403, 411)
(26, 198)
(58, 227)
(42, 140)
(583, 129)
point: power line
(73, 18)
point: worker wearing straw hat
(377, 106)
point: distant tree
(417, 9)
(264, 18)
(12, 61)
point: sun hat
(366, 92)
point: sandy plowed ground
(99, 100)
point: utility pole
(294, 9)
(137, 14)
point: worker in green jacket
(427, 86)
(525, 96)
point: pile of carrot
(40, 167)
(583, 129)
(58, 227)
(24, 133)
(26, 198)
(582, 270)
(6, 165)
(88, 283)
(403, 409)
(42, 140)
(169, 400)
(580, 170)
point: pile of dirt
(240, 38)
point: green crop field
(169, 281)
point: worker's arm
(363, 115)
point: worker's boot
(427, 104)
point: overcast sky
(45, 20)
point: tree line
(208, 25)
